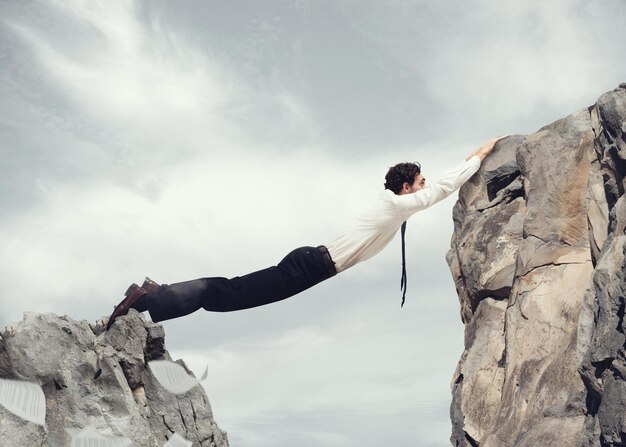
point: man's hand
(485, 148)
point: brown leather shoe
(133, 293)
(149, 285)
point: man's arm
(450, 182)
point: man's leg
(299, 270)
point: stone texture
(537, 256)
(94, 378)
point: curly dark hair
(400, 173)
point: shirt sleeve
(408, 204)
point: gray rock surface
(94, 378)
(537, 256)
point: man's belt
(328, 261)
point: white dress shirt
(373, 230)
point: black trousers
(302, 268)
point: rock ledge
(99, 379)
(537, 256)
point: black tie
(403, 280)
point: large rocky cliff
(99, 381)
(537, 256)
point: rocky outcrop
(100, 380)
(537, 256)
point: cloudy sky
(203, 138)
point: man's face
(419, 183)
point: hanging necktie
(403, 280)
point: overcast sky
(203, 138)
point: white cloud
(137, 86)
(514, 66)
(130, 71)
(367, 360)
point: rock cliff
(92, 378)
(537, 256)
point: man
(405, 194)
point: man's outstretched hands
(485, 148)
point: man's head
(405, 178)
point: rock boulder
(537, 256)
(99, 379)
